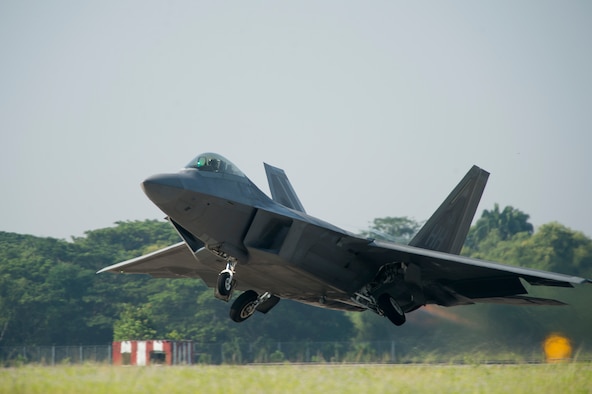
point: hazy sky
(373, 109)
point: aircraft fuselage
(236, 237)
(232, 217)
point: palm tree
(508, 222)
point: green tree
(50, 294)
(36, 291)
(560, 249)
(504, 236)
(400, 229)
(508, 222)
(555, 248)
(134, 323)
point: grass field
(325, 378)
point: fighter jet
(235, 237)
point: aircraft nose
(163, 188)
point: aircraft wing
(178, 261)
(175, 261)
(443, 278)
(448, 279)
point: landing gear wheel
(391, 309)
(225, 283)
(244, 306)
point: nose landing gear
(226, 282)
(248, 302)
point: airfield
(572, 377)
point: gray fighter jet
(237, 238)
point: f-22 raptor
(234, 237)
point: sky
(373, 109)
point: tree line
(50, 294)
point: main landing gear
(248, 302)
(384, 305)
(373, 297)
(391, 309)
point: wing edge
(116, 268)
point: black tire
(244, 306)
(391, 309)
(224, 283)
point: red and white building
(152, 352)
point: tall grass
(103, 379)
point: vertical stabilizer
(447, 229)
(281, 188)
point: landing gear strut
(389, 275)
(226, 282)
(247, 303)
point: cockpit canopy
(213, 162)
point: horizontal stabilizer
(447, 229)
(520, 300)
(451, 279)
(281, 189)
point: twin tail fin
(446, 230)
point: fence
(235, 352)
(52, 355)
(238, 352)
(299, 352)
